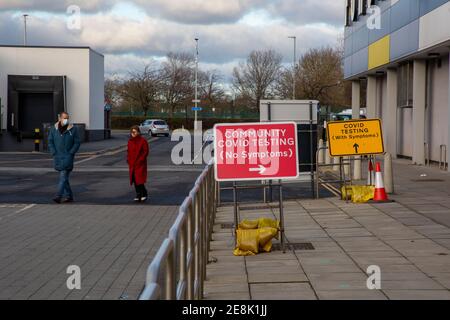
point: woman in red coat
(137, 163)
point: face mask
(65, 122)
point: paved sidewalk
(412, 249)
(113, 246)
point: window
(405, 74)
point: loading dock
(38, 83)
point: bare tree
(177, 74)
(255, 78)
(142, 88)
(112, 92)
(321, 75)
(211, 91)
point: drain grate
(427, 180)
(294, 246)
(227, 225)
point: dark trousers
(64, 189)
(141, 191)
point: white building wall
(435, 27)
(74, 63)
(97, 91)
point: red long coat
(137, 159)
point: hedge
(126, 122)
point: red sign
(256, 151)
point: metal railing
(178, 270)
(343, 178)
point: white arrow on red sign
(261, 169)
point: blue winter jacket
(64, 146)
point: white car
(154, 127)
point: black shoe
(57, 200)
(68, 200)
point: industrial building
(37, 83)
(397, 54)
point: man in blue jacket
(63, 143)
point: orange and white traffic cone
(380, 192)
(370, 174)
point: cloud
(202, 11)
(199, 11)
(309, 11)
(128, 41)
(56, 5)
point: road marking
(13, 206)
(110, 153)
(26, 208)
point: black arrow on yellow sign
(356, 146)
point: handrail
(184, 254)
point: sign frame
(262, 178)
(355, 154)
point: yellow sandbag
(240, 253)
(260, 223)
(358, 194)
(266, 222)
(266, 235)
(248, 224)
(247, 240)
(250, 241)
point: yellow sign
(355, 137)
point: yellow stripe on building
(379, 52)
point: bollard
(327, 154)
(321, 152)
(388, 174)
(357, 168)
(37, 141)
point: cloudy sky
(132, 33)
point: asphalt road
(97, 179)
(103, 178)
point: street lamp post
(196, 84)
(25, 29)
(294, 73)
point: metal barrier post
(191, 257)
(235, 207)
(281, 216)
(197, 247)
(170, 276)
(202, 237)
(183, 256)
